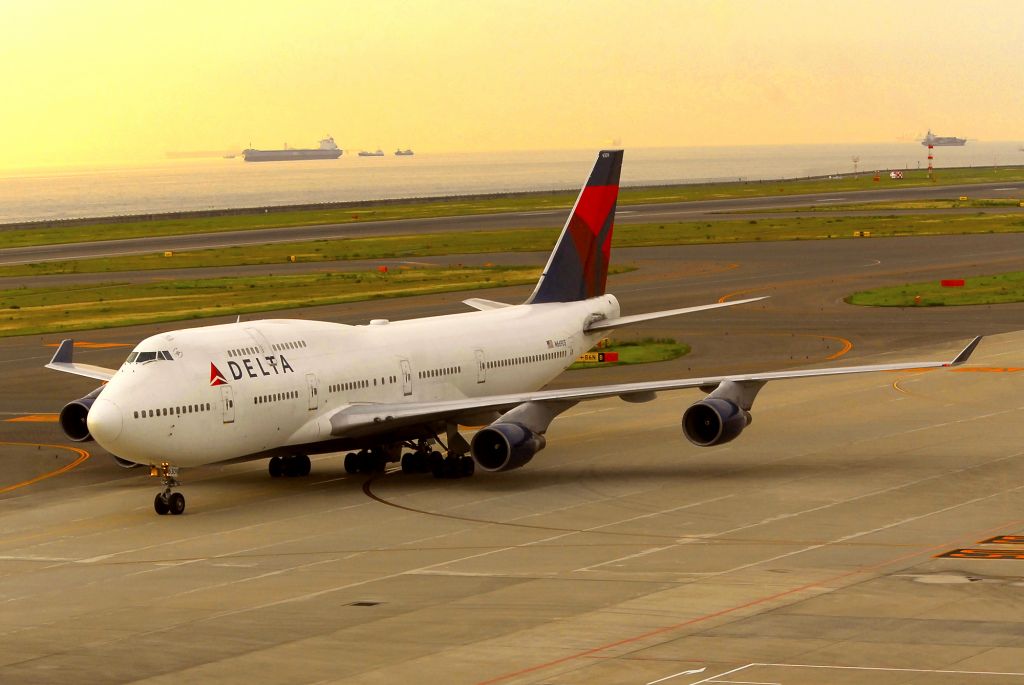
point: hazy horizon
(105, 83)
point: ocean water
(184, 185)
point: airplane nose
(104, 421)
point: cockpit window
(143, 357)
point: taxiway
(803, 552)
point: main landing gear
(168, 502)
(366, 461)
(423, 459)
(292, 466)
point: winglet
(966, 352)
(64, 352)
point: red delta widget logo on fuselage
(253, 367)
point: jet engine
(505, 446)
(714, 421)
(74, 415)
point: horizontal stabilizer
(484, 305)
(62, 361)
(605, 324)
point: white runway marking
(694, 671)
(845, 538)
(876, 669)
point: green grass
(977, 203)
(642, 351)
(46, 310)
(78, 231)
(995, 289)
(539, 240)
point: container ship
(327, 150)
(940, 141)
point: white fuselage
(281, 380)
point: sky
(104, 82)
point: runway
(703, 210)
(803, 552)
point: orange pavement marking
(656, 632)
(91, 345)
(34, 418)
(82, 456)
(847, 346)
(745, 291)
(988, 369)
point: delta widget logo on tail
(216, 377)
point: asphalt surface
(803, 552)
(704, 210)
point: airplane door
(481, 366)
(314, 390)
(227, 404)
(406, 378)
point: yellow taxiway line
(82, 456)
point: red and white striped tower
(930, 158)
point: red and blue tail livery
(578, 266)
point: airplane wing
(366, 419)
(62, 361)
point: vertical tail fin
(578, 266)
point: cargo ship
(327, 150)
(365, 153)
(404, 153)
(940, 141)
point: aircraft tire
(176, 503)
(438, 469)
(303, 465)
(276, 467)
(410, 462)
(160, 505)
(351, 463)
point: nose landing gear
(168, 502)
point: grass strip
(538, 240)
(55, 232)
(644, 351)
(994, 289)
(26, 311)
(976, 203)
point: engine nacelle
(124, 463)
(74, 416)
(505, 446)
(714, 421)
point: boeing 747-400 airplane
(284, 389)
